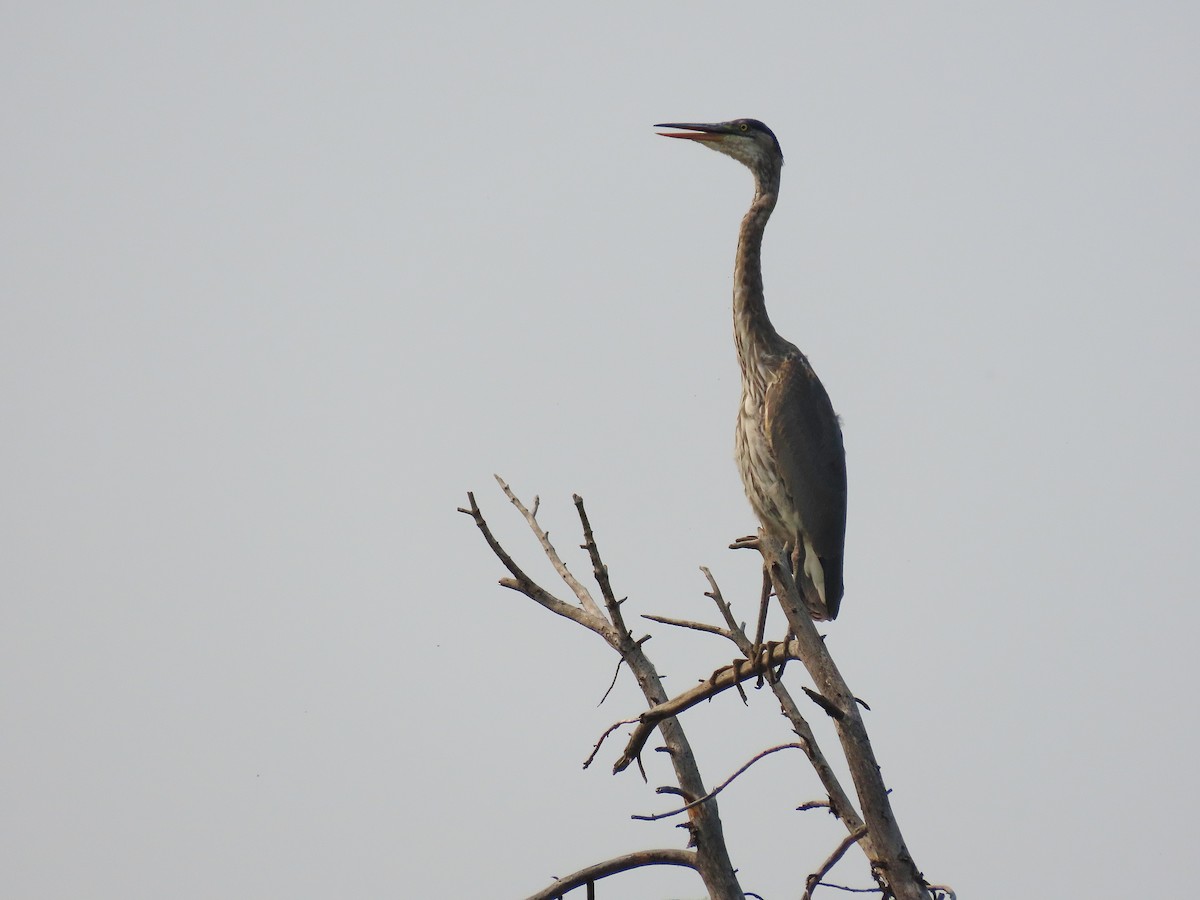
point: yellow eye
(744, 127)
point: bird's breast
(764, 487)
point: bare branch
(720, 787)
(599, 569)
(509, 563)
(852, 890)
(735, 628)
(839, 802)
(543, 597)
(847, 842)
(891, 863)
(626, 863)
(815, 804)
(830, 708)
(720, 680)
(585, 598)
(695, 626)
(520, 581)
(607, 731)
(704, 824)
(612, 684)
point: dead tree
(870, 825)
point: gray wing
(806, 441)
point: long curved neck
(753, 332)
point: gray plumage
(788, 442)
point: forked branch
(721, 680)
(875, 830)
(711, 858)
(839, 802)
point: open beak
(694, 132)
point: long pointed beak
(695, 132)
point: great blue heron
(788, 440)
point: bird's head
(748, 141)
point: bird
(788, 439)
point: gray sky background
(282, 283)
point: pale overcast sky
(282, 283)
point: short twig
(613, 683)
(814, 804)
(749, 542)
(725, 609)
(831, 709)
(720, 787)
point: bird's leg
(793, 554)
(793, 558)
(763, 607)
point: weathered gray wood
(873, 826)
(704, 822)
(891, 863)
